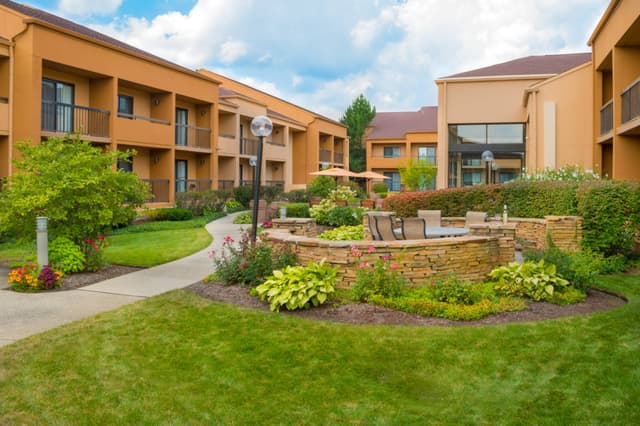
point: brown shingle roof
(530, 65)
(65, 24)
(388, 125)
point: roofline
(243, 97)
(316, 115)
(29, 20)
(605, 17)
(535, 87)
(288, 120)
(494, 78)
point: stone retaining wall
(469, 257)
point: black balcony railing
(338, 157)
(193, 185)
(606, 118)
(631, 102)
(68, 118)
(160, 190)
(246, 182)
(325, 156)
(225, 184)
(193, 136)
(278, 183)
(248, 146)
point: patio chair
(373, 229)
(384, 228)
(413, 228)
(431, 217)
(475, 218)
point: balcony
(59, 117)
(193, 185)
(160, 190)
(144, 130)
(325, 156)
(631, 102)
(277, 183)
(225, 184)
(248, 146)
(193, 136)
(338, 158)
(4, 116)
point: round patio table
(444, 231)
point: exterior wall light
(261, 127)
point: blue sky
(322, 54)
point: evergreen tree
(357, 117)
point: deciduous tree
(357, 117)
(417, 175)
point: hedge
(610, 209)
(202, 202)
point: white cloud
(232, 50)
(363, 33)
(85, 8)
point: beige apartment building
(394, 138)
(302, 141)
(189, 132)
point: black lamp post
(261, 126)
(487, 157)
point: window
(181, 175)
(181, 126)
(482, 134)
(391, 152)
(125, 106)
(57, 106)
(393, 184)
(427, 153)
(125, 164)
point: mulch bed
(363, 313)
(81, 279)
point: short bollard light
(42, 240)
(283, 212)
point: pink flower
(355, 252)
(100, 237)
(394, 266)
(371, 249)
(386, 258)
(228, 239)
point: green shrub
(376, 278)
(243, 194)
(296, 196)
(341, 216)
(454, 290)
(320, 186)
(579, 268)
(357, 189)
(244, 218)
(175, 214)
(233, 206)
(296, 209)
(564, 173)
(298, 287)
(202, 202)
(568, 296)
(270, 193)
(534, 280)
(380, 188)
(245, 263)
(66, 256)
(344, 233)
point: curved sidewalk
(22, 315)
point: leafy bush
(201, 202)
(270, 193)
(29, 279)
(244, 218)
(344, 233)
(565, 173)
(245, 263)
(93, 250)
(296, 196)
(534, 280)
(233, 206)
(341, 216)
(579, 268)
(175, 214)
(380, 188)
(66, 256)
(74, 183)
(320, 186)
(243, 195)
(357, 189)
(296, 209)
(298, 287)
(378, 278)
(455, 290)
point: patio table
(444, 231)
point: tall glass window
(57, 106)
(391, 152)
(394, 183)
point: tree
(417, 175)
(74, 184)
(357, 117)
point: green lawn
(156, 247)
(177, 358)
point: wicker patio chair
(431, 217)
(413, 228)
(373, 228)
(384, 226)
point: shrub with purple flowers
(241, 262)
(378, 276)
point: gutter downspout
(12, 72)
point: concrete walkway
(22, 315)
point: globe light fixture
(261, 126)
(487, 157)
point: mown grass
(177, 358)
